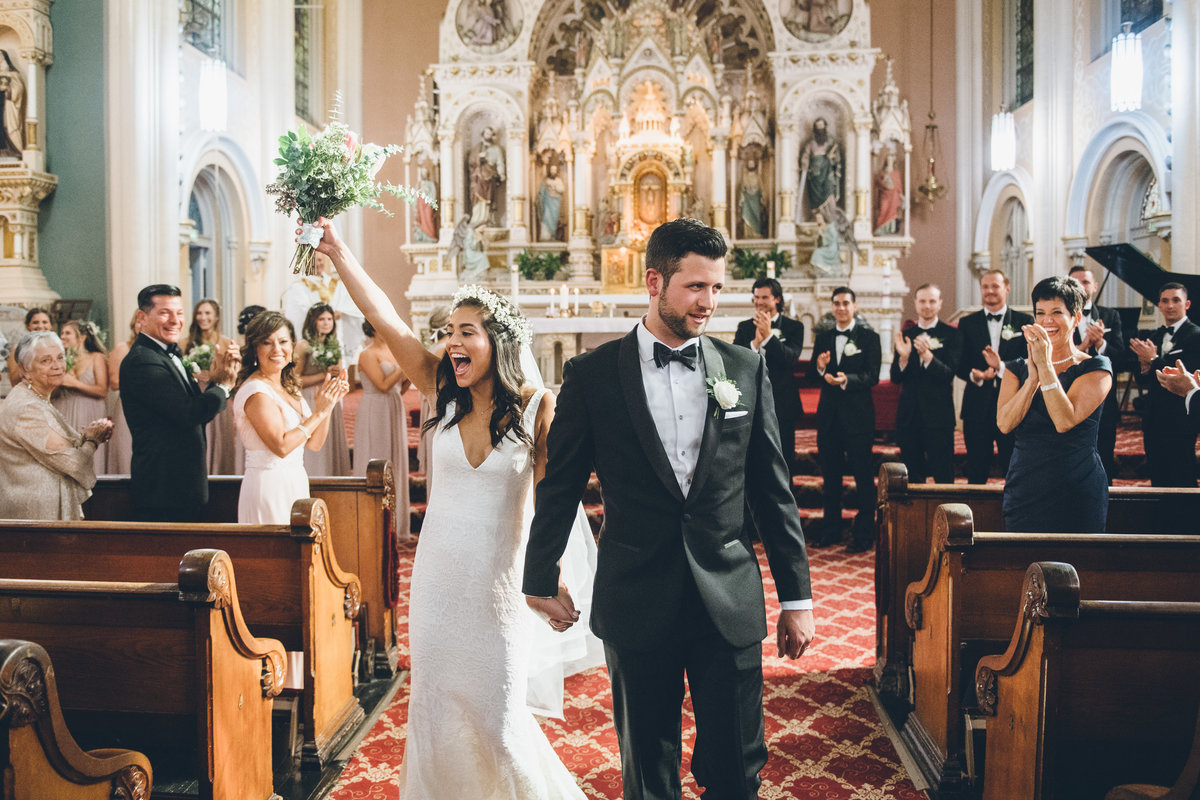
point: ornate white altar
(553, 128)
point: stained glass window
(1142, 13)
(1023, 79)
(202, 26)
(306, 57)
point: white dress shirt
(678, 401)
(1169, 337)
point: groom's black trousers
(726, 686)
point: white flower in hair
(503, 311)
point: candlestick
(562, 303)
(515, 284)
(576, 302)
(770, 269)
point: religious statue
(651, 196)
(485, 22)
(12, 89)
(715, 44)
(427, 221)
(549, 201)
(815, 20)
(821, 166)
(750, 201)
(609, 221)
(889, 196)
(826, 260)
(583, 49)
(678, 29)
(614, 38)
(486, 174)
(466, 245)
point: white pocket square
(735, 414)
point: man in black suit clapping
(990, 337)
(780, 340)
(167, 412)
(1170, 441)
(847, 358)
(927, 355)
(1100, 334)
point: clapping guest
(1178, 380)
(318, 355)
(275, 423)
(1052, 401)
(120, 446)
(84, 392)
(1100, 334)
(203, 351)
(381, 424)
(46, 466)
(36, 319)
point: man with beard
(1099, 334)
(821, 166)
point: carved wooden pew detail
(179, 652)
(1089, 693)
(292, 589)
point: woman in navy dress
(1052, 400)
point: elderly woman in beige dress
(46, 466)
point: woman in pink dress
(84, 391)
(381, 424)
(318, 355)
(205, 344)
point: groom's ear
(655, 284)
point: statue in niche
(716, 45)
(652, 200)
(549, 202)
(12, 89)
(427, 218)
(678, 29)
(826, 260)
(486, 174)
(609, 221)
(487, 26)
(466, 246)
(815, 20)
(889, 196)
(750, 200)
(614, 38)
(821, 166)
(583, 49)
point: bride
(470, 730)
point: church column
(1053, 130)
(35, 82)
(720, 193)
(449, 187)
(788, 148)
(516, 168)
(861, 214)
(735, 176)
(581, 244)
(1185, 109)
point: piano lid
(1146, 277)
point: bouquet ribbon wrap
(310, 235)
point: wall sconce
(1004, 141)
(1125, 71)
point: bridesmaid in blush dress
(84, 391)
(381, 424)
(320, 331)
(206, 330)
(120, 446)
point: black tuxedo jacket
(980, 401)
(927, 392)
(166, 415)
(1164, 410)
(1114, 349)
(851, 408)
(655, 541)
(781, 354)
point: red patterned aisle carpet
(823, 733)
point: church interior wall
(72, 225)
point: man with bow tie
(847, 359)
(1168, 437)
(1099, 334)
(990, 337)
(167, 412)
(926, 356)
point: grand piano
(1143, 275)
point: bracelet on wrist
(1047, 387)
(307, 433)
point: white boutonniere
(778, 334)
(1008, 333)
(724, 391)
(935, 344)
(850, 349)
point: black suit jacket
(851, 408)
(655, 541)
(166, 415)
(980, 401)
(1164, 410)
(781, 354)
(927, 392)
(1114, 349)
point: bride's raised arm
(418, 363)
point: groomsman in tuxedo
(847, 358)
(926, 357)
(680, 429)
(1169, 438)
(1099, 333)
(990, 337)
(167, 412)
(780, 340)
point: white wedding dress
(271, 484)
(470, 733)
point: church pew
(904, 521)
(360, 515)
(169, 669)
(1089, 693)
(963, 607)
(38, 756)
(292, 589)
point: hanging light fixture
(213, 96)
(1126, 70)
(1004, 141)
(931, 144)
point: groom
(681, 430)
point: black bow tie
(173, 350)
(995, 317)
(664, 355)
(1167, 329)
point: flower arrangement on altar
(199, 358)
(326, 354)
(324, 174)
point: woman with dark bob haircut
(1056, 482)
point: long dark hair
(508, 378)
(310, 321)
(257, 332)
(195, 335)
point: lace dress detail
(470, 733)
(271, 484)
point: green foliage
(540, 266)
(752, 265)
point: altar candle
(563, 297)
(770, 269)
(576, 302)
(514, 275)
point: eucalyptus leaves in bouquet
(325, 353)
(199, 358)
(324, 174)
(71, 357)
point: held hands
(1177, 379)
(924, 351)
(227, 371)
(331, 391)
(1039, 346)
(794, 633)
(98, 431)
(559, 611)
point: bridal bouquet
(70, 357)
(199, 358)
(326, 354)
(324, 174)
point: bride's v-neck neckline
(462, 443)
